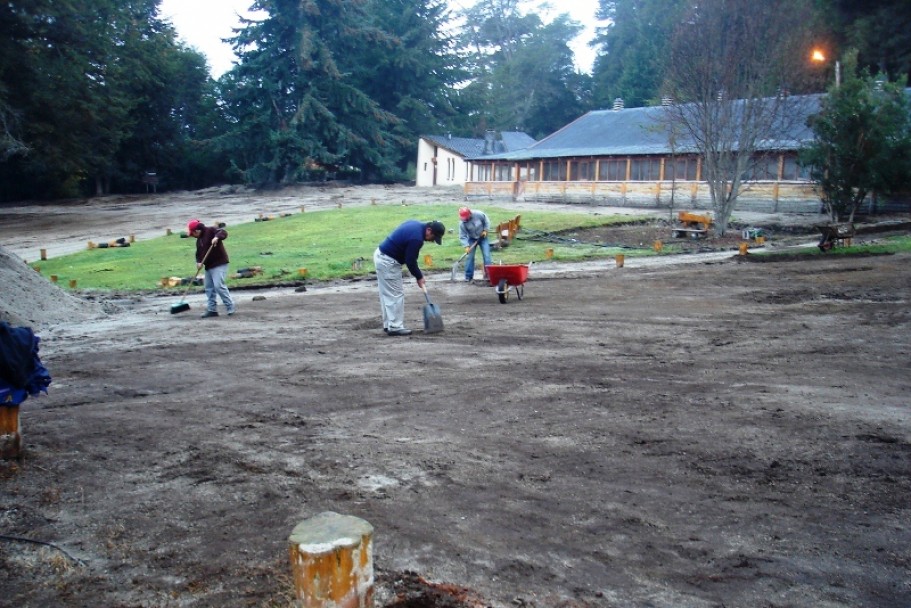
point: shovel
(185, 306)
(455, 267)
(433, 320)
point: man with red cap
(211, 253)
(473, 229)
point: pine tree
(297, 114)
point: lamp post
(819, 57)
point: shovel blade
(179, 307)
(433, 320)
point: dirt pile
(29, 299)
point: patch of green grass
(895, 244)
(330, 244)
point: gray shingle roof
(509, 141)
(641, 131)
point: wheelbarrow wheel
(520, 290)
(503, 291)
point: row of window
(780, 167)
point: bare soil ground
(713, 433)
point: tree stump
(10, 438)
(332, 562)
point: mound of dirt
(29, 299)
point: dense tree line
(634, 57)
(97, 94)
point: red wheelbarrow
(504, 276)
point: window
(582, 170)
(528, 172)
(645, 169)
(612, 170)
(764, 167)
(502, 173)
(682, 168)
(792, 170)
(554, 171)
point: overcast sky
(203, 23)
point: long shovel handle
(470, 249)
(426, 295)
(198, 268)
(459, 261)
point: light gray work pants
(216, 286)
(392, 290)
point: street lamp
(819, 57)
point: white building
(441, 158)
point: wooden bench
(506, 231)
(692, 225)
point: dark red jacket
(219, 255)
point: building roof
(507, 141)
(644, 131)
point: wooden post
(72, 283)
(619, 259)
(53, 278)
(332, 562)
(10, 438)
(44, 254)
(428, 261)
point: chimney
(618, 104)
(489, 142)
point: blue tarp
(21, 371)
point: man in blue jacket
(400, 248)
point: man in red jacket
(211, 253)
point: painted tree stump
(332, 562)
(10, 438)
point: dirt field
(706, 433)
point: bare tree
(732, 65)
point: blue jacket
(404, 244)
(21, 371)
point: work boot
(209, 313)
